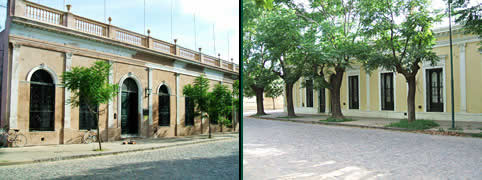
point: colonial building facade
(383, 93)
(40, 43)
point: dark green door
(129, 108)
(322, 100)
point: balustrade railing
(90, 27)
(162, 47)
(129, 38)
(43, 14)
(187, 54)
(49, 15)
(236, 68)
(211, 61)
(226, 65)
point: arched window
(164, 106)
(42, 101)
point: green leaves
(220, 103)
(401, 32)
(198, 92)
(92, 83)
(275, 89)
(217, 104)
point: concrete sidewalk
(13, 156)
(462, 127)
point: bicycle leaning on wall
(89, 137)
(13, 136)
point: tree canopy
(92, 84)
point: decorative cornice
(71, 32)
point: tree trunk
(289, 99)
(98, 136)
(259, 101)
(209, 128)
(221, 126)
(411, 98)
(335, 82)
(98, 126)
(274, 106)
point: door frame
(348, 90)
(139, 105)
(393, 92)
(425, 67)
(429, 94)
(322, 92)
(394, 79)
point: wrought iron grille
(42, 102)
(164, 106)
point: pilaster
(178, 99)
(149, 100)
(14, 87)
(463, 98)
(110, 106)
(67, 105)
(368, 91)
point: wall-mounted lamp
(148, 92)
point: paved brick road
(286, 150)
(215, 160)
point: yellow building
(384, 93)
(39, 43)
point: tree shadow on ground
(221, 167)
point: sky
(435, 4)
(223, 15)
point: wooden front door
(435, 90)
(129, 108)
(322, 100)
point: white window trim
(353, 71)
(425, 67)
(380, 72)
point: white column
(14, 87)
(178, 99)
(110, 115)
(463, 98)
(67, 105)
(149, 100)
(368, 92)
(327, 103)
(301, 93)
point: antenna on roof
(195, 38)
(144, 17)
(214, 40)
(105, 15)
(171, 21)
(228, 45)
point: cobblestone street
(287, 150)
(213, 160)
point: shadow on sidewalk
(222, 167)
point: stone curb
(112, 153)
(364, 126)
